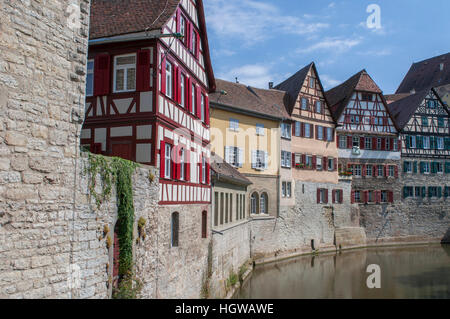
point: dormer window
(367, 97)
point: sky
(261, 41)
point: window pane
(120, 74)
(131, 79)
(126, 60)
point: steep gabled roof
(390, 98)
(227, 173)
(117, 17)
(267, 103)
(403, 109)
(443, 92)
(339, 96)
(426, 74)
(293, 85)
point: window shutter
(405, 168)
(162, 159)
(424, 192)
(405, 192)
(349, 142)
(311, 130)
(314, 162)
(143, 70)
(304, 159)
(383, 144)
(415, 167)
(352, 199)
(364, 170)
(207, 110)
(317, 132)
(366, 196)
(174, 162)
(253, 159)
(335, 162)
(178, 87)
(378, 196)
(318, 196)
(374, 143)
(102, 74)
(361, 143)
(422, 167)
(200, 170)
(326, 196)
(341, 196)
(240, 157)
(197, 49)
(325, 163)
(293, 160)
(430, 194)
(163, 74)
(333, 196)
(391, 197)
(447, 167)
(303, 129)
(189, 95)
(386, 171)
(266, 160)
(208, 172)
(187, 172)
(177, 162)
(178, 21)
(391, 144)
(396, 171)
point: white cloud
(329, 82)
(254, 21)
(381, 52)
(338, 45)
(332, 5)
(224, 52)
(251, 74)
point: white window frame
(312, 83)
(286, 159)
(260, 129)
(288, 189)
(357, 170)
(330, 136)
(307, 130)
(234, 125)
(368, 143)
(380, 169)
(440, 143)
(357, 196)
(124, 67)
(90, 71)
(202, 105)
(183, 90)
(203, 170)
(260, 160)
(320, 135)
(283, 189)
(318, 107)
(369, 168)
(391, 171)
(168, 162)
(194, 101)
(342, 141)
(304, 103)
(169, 79)
(426, 142)
(182, 166)
(319, 164)
(286, 130)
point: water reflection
(406, 272)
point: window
(125, 73)
(391, 171)
(357, 196)
(378, 143)
(356, 170)
(369, 170)
(288, 189)
(411, 141)
(440, 143)
(183, 90)
(203, 169)
(322, 196)
(194, 100)
(331, 164)
(370, 197)
(355, 141)
(90, 78)
(319, 163)
(368, 143)
(286, 130)
(388, 144)
(424, 121)
(263, 204)
(426, 142)
(182, 165)
(283, 189)
(169, 79)
(433, 191)
(440, 167)
(183, 29)
(338, 196)
(441, 122)
(204, 224)
(254, 201)
(312, 83)
(259, 160)
(384, 197)
(297, 128)
(318, 107)
(202, 106)
(407, 167)
(380, 171)
(308, 130)
(320, 132)
(308, 159)
(194, 42)
(232, 156)
(221, 209)
(175, 227)
(342, 141)
(431, 104)
(367, 97)
(426, 167)
(168, 162)
(330, 134)
(286, 158)
(395, 146)
(234, 125)
(260, 129)
(304, 104)
(216, 209)
(417, 192)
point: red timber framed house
(368, 143)
(424, 121)
(148, 83)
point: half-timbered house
(424, 122)
(149, 76)
(368, 144)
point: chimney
(441, 67)
(270, 85)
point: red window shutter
(178, 162)
(207, 110)
(317, 132)
(163, 74)
(391, 197)
(143, 70)
(378, 196)
(312, 130)
(175, 83)
(374, 143)
(293, 160)
(293, 129)
(386, 170)
(347, 119)
(208, 172)
(375, 170)
(188, 166)
(314, 162)
(361, 143)
(352, 199)
(189, 95)
(200, 177)
(102, 74)
(178, 21)
(400, 145)
(174, 162)
(335, 164)
(199, 104)
(325, 163)
(318, 196)
(304, 159)
(197, 49)
(162, 159)
(366, 196)
(396, 171)
(349, 142)
(385, 121)
(302, 129)
(326, 196)
(178, 87)
(391, 144)
(97, 148)
(383, 144)
(188, 35)
(364, 170)
(333, 196)
(341, 196)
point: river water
(406, 272)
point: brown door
(122, 150)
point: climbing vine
(119, 172)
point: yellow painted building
(245, 131)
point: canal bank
(407, 271)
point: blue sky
(261, 41)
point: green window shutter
(422, 167)
(439, 191)
(405, 192)
(415, 167)
(446, 191)
(433, 168)
(430, 193)
(424, 191)
(420, 142)
(405, 167)
(447, 167)
(407, 141)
